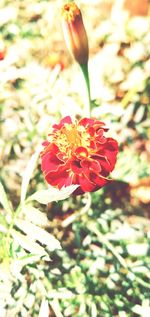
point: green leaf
(39, 234)
(28, 173)
(27, 259)
(3, 220)
(46, 196)
(4, 200)
(44, 309)
(139, 114)
(27, 244)
(35, 216)
(56, 307)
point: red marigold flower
(78, 153)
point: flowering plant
(78, 153)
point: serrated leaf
(44, 309)
(139, 114)
(56, 307)
(28, 173)
(39, 234)
(18, 263)
(128, 115)
(28, 244)
(4, 200)
(35, 215)
(53, 194)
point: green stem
(78, 214)
(85, 71)
(13, 221)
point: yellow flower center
(70, 11)
(70, 137)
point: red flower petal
(60, 178)
(66, 119)
(91, 131)
(105, 166)
(86, 122)
(98, 180)
(110, 150)
(86, 184)
(100, 136)
(76, 166)
(81, 152)
(50, 162)
(45, 143)
(91, 165)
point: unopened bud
(75, 33)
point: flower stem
(78, 214)
(13, 221)
(85, 71)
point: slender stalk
(85, 71)
(16, 213)
(78, 214)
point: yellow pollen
(70, 11)
(70, 137)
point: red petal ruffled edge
(59, 178)
(86, 122)
(89, 122)
(84, 185)
(109, 151)
(66, 119)
(50, 162)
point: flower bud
(75, 33)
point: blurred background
(39, 84)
